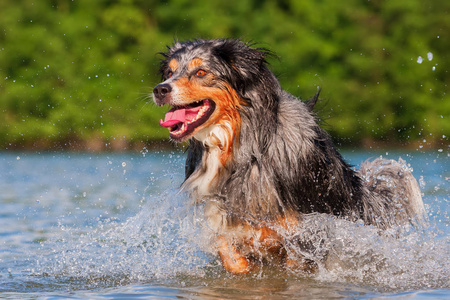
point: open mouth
(182, 120)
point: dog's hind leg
(392, 195)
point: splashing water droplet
(422, 182)
(419, 60)
(430, 56)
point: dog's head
(207, 82)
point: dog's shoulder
(296, 121)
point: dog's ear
(163, 64)
(166, 56)
(312, 102)
(246, 68)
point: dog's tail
(392, 193)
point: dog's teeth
(181, 130)
(200, 113)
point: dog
(258, 160)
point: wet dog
(258, 159)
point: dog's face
(207, 82)
(195, 86)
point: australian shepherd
(258, 159)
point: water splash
(397, 259)
(163, 240)
(167, 240)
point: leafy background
(77, 74)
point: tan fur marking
(173, 64)
(226, 113)
(263, 239)
(232, 260)
(195, 63)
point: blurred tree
(73, 71)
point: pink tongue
(173, 117)
(181, 115)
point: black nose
(161, 90)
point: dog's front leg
(233, 261)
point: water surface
(113, 226)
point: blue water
(113, 226)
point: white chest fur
(206, 175)
(203, 181)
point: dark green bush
(82, 69)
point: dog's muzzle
(161, 92)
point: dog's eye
(200, 73)
(169, 74)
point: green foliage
(82, 69)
